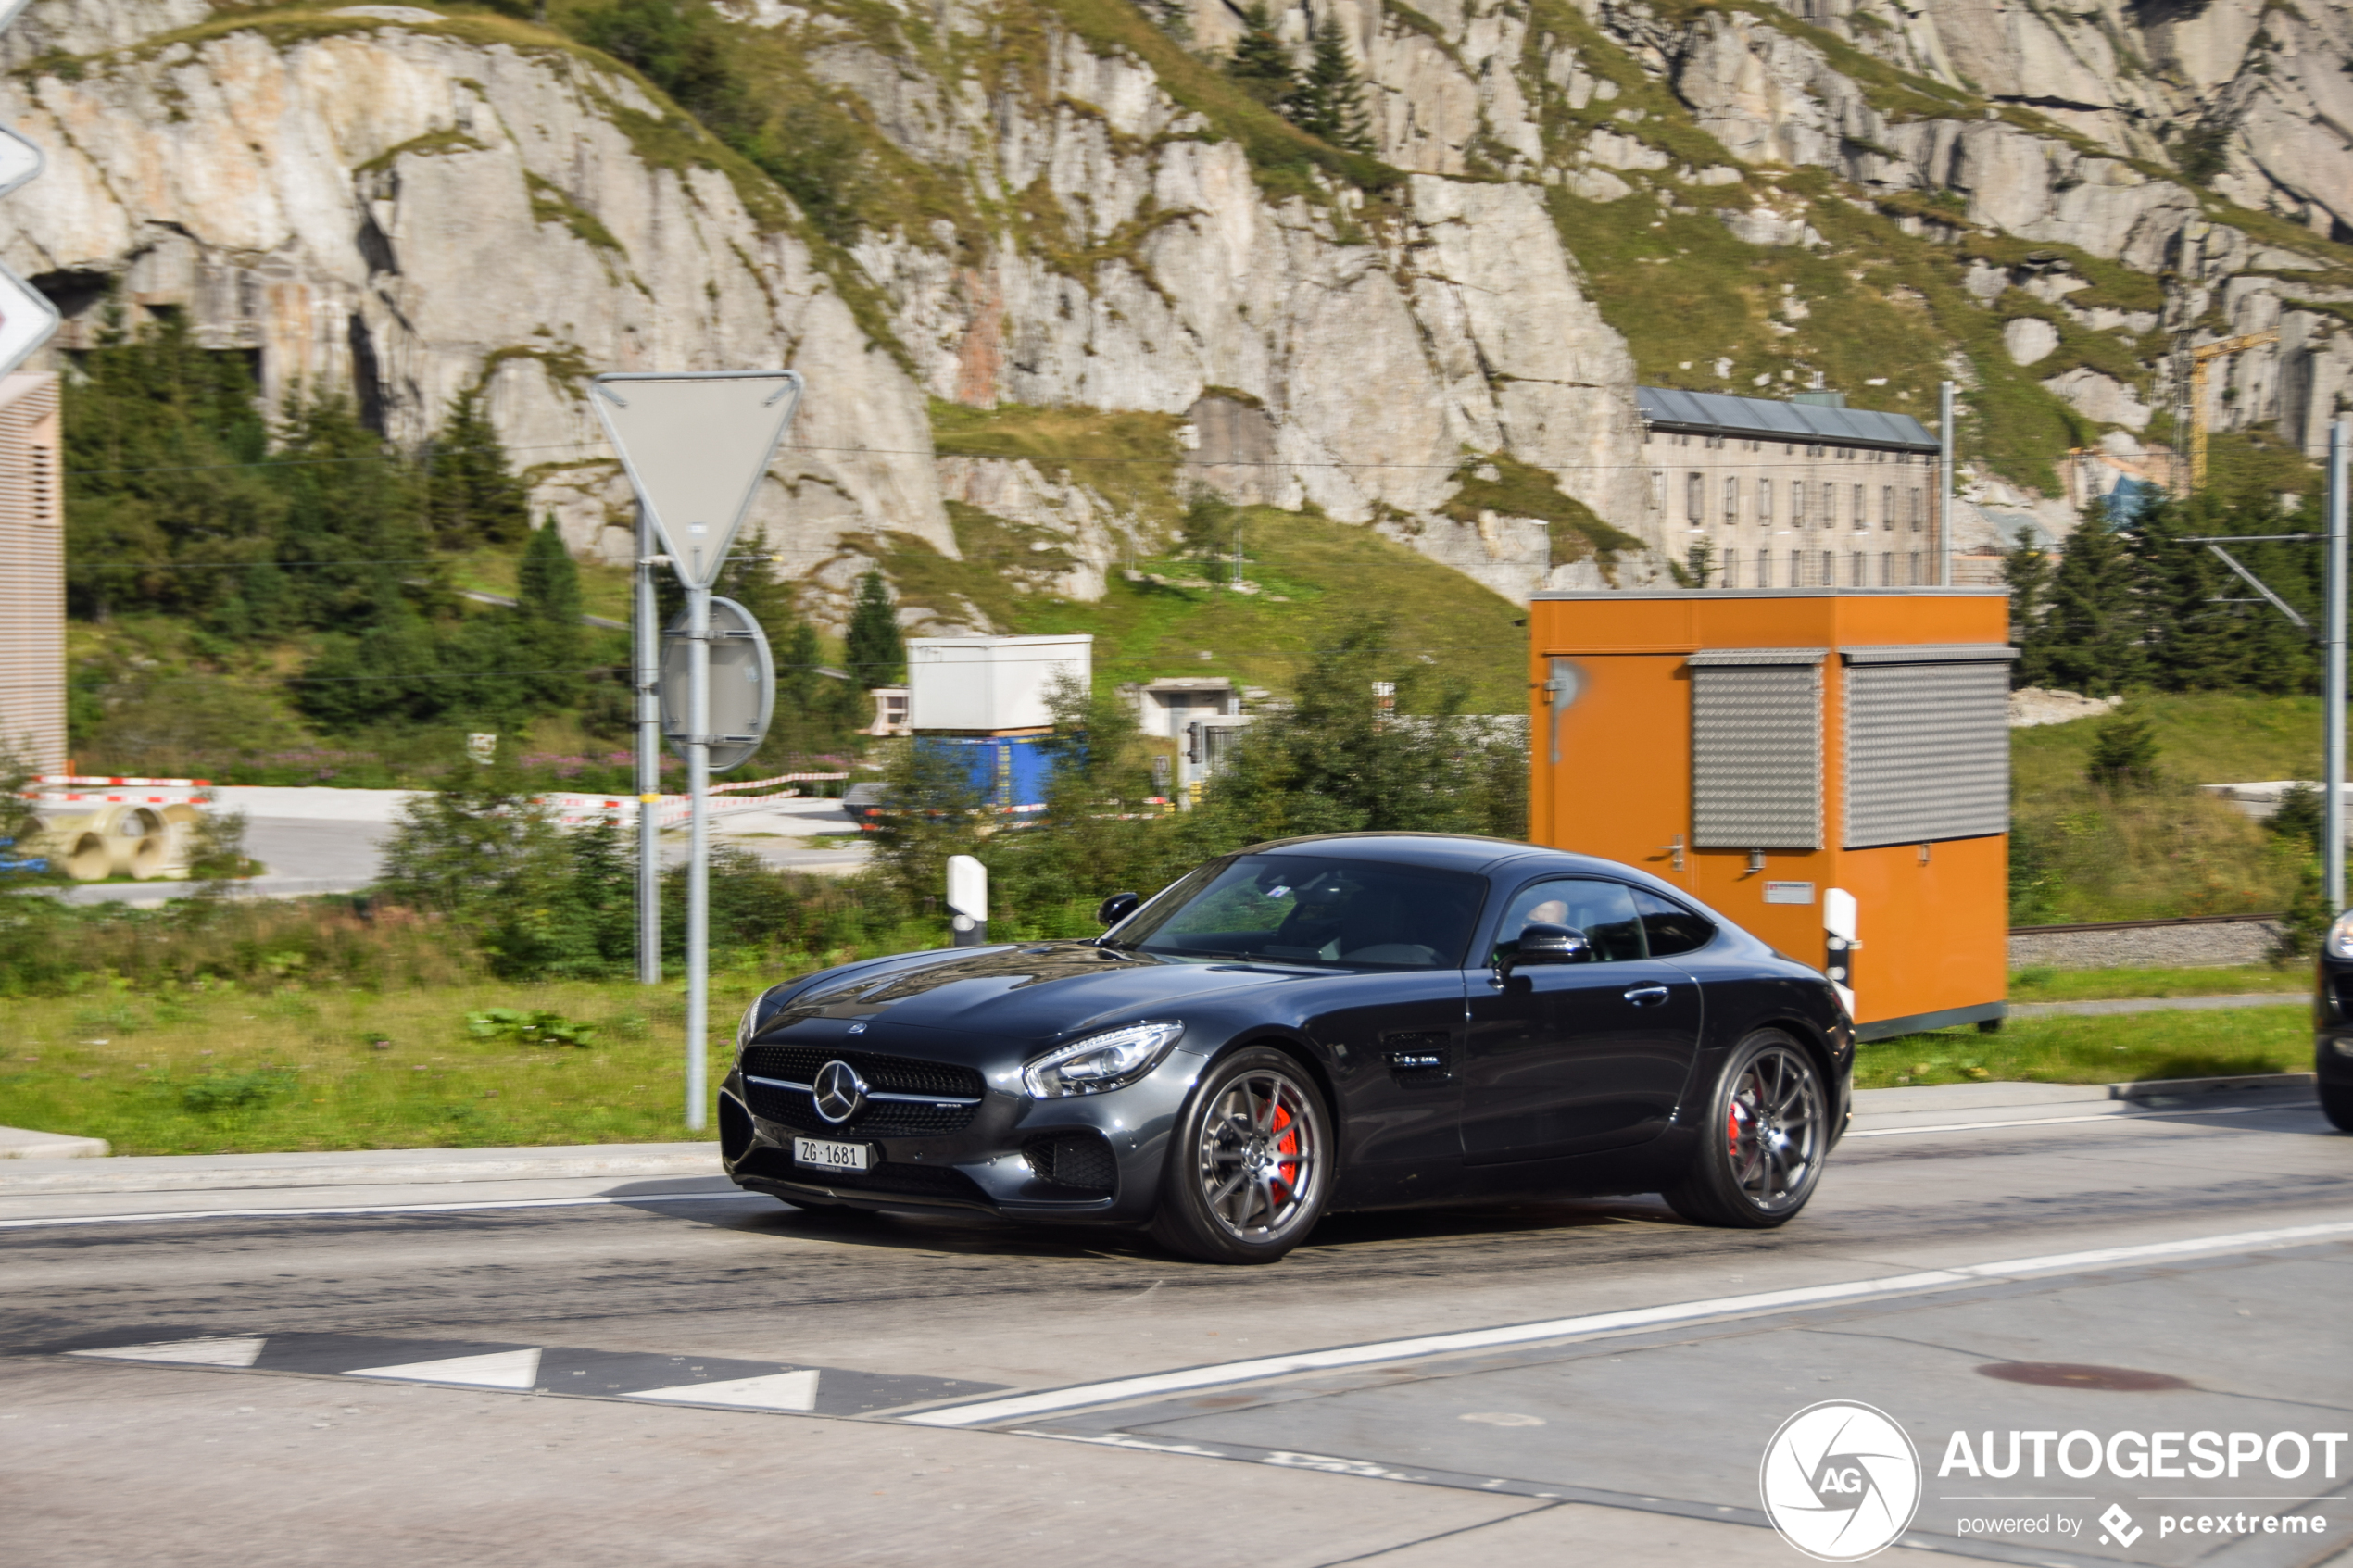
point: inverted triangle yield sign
(696, 444)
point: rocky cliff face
(1055, 204)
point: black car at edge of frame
(1345, 1022)
(2333, 1024)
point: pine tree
(2027, 571)
(2095, 643)
(471, 497)
(548, 642)
(1328, 101)
(350, 540)
(875, 652)
(1261, 63)
(156, 432)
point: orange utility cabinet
(1828, 767)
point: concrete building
(32, 572)
(1164, 707)
(1808, 494)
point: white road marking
(1118, 1390)
(737, 1196)
(500, 1369)
(776, 1391)
(2058, 1120)
(185, 1352)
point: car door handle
(1647, 995)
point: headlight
(2340, 943)
(1100, 1062)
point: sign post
(649, 762)
(2332, 680)
(696, 444)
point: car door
(1563, 1059)
(1396, 1043)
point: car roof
(1441, 851)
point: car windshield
(1310, 909)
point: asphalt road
(669, 1374)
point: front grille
(1080, 1161)
(892, 1074)
(914, 1181)
(876, 1118)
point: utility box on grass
(1829, 768)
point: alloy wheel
(1259, 1159)
(1774, 1128)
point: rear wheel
(1249, 1164)
(2336, 1104)
(1766, 1132)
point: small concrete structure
(891, 711)
(32, 573)
(1167, 707)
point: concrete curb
(21, 1143)
(2182, 1088)
(372, 1167)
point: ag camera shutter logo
(1840, 1481)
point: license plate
(829, 1156)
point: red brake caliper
(1286, 1142)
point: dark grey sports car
(1355, 1021)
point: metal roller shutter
(1928, 744)
(1757, 748)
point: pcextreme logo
(1840, 1481)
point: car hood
(1038, 992)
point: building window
(1826, 498)
(1887, 507)
(1916, 512)
(1765, 502)
(1695, 498)
(1658, 489)
(1830, 570)
(1887, 569)
(1796, 506)
(1732, 501)
(1732, 568)
(1797, 568)
(1862, 508)
(1912, 573)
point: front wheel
(1765, 1133)
(2336, 1104)
(1249, 1164)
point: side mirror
(1116, 908)
(1539, 943)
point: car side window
(1603, 910)
(1669, 927)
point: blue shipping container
(1010, 771)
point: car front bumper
(1003, 1160)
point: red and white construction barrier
(575, 811)
(131, 783)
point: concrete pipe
(88, 860)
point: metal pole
(648, 672)
(699, 862)
(2333, 684)
(1945, 484)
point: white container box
(990, 686)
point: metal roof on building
(1755, 418)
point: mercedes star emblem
(839, 1092)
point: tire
(2336, 1104)
(1766, 1132)
(1250, 1162)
